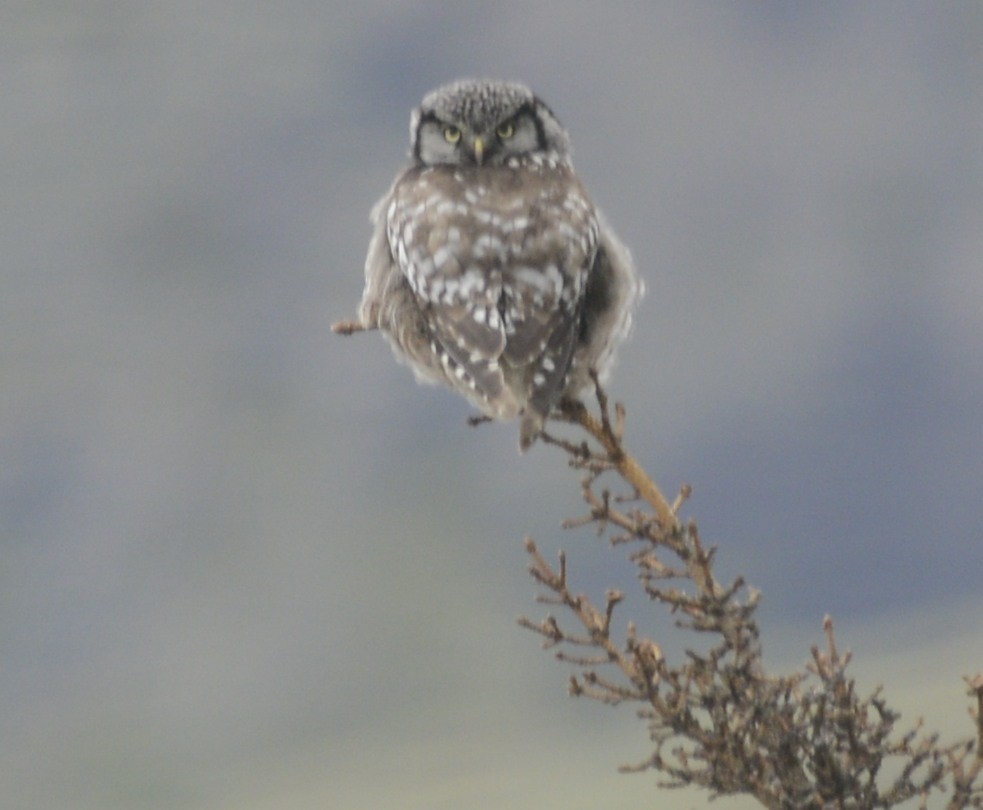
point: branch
(610, 436)
(717, 718)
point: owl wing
(469, 337)
(544, 288)
(452, 270)
(541, 313)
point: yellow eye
(452, 134)
(506, 130)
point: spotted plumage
(490, 269)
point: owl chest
(447, 225)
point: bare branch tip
(684, 493)
(347, 327)
(976, 684)
(619, 421)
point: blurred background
(245, 563)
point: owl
(489, 268)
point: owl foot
(529, 430)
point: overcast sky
(245, 563)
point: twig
(350, 327)
(610, 439)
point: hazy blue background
(245, 563)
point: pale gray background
(248, 564)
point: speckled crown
(481, 103)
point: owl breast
(499, 257)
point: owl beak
(479, 150)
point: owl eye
(506, 130)
(452, 134)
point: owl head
(476, 122)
